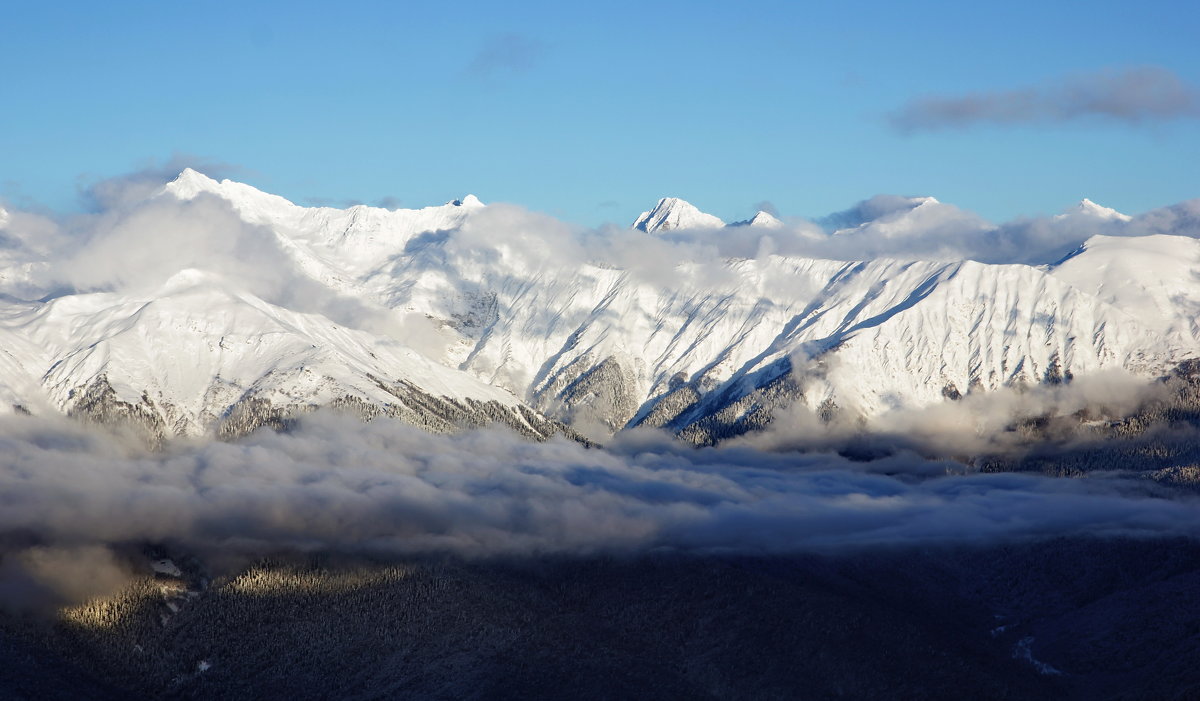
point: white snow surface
(1153, 278)
(195, 347)
(475, 318)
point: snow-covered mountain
(673, 213)
(878, 208)
(761, 219)
(194, 356)
(894, 218)
(1087, 208)
(463, 314)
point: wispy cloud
(1131, 96)
(106, 193)
(768, 207)
(505, 54)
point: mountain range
(207, 306)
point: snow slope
(184, 358)
(1154, 278)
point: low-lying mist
(72, 495)
(975, 424)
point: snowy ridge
(474, 321)
(333, 243)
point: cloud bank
(1132, 96)
(338, 483)
(76, 500)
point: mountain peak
(673, 213)
(190, 183)
(877, 208)
(246, 198)
(1089, 208)
(762, 220)
(470, 202)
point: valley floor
(1083, 618)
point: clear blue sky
(589, 111)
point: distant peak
(876, 209)
(1089, 208)
(762, 220)
(247, 198)
(470, 202)
(191, 181)
(189, 278)
(673, 213)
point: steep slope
(605, 345)
(197, 355)
(882, 336)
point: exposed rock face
(98, 403)
(586, 392)
(669, 406)
(733, 414)
(412, 406)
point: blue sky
(592, 112)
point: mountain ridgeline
(212, 308)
